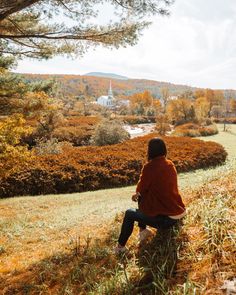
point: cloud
(196, 45)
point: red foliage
(90, 168)
(231, 120)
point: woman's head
(156, 148)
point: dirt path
(32, 228)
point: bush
(80, 169)
(132, 120)
(231, 120)
(78, 136)
(109, 132)
(76, 130)
(162, 125)
(50, 146)
(12, 153)
(194, 130)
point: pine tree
(41, 29)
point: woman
(160, 204)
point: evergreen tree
(34, 28)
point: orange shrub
(194, 130)
(76, 130)
(137, 119)
(80, 169)
(231, 120)
(82, 121)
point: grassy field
(48, 240)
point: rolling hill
(76, 85)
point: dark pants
(132, 215)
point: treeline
(76, 85)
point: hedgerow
(195, 130)
(231, 120)
(80, 169)
(132, 120)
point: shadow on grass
(94, 269)
(159, 260)
(75, 272)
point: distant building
(107, 100)
(110, 101)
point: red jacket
(158, 188)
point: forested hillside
(76, 85)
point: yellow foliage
(202, 108)
(145, 98)
(12, 153)
(179, 109)
(35, 103)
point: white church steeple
(110, 94)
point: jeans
(132, 215)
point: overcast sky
(195, 46)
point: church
(107, 100)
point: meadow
(62, 244)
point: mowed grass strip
(195, 258)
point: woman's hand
(135, 197)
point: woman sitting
(160, 204)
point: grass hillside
(62, 244)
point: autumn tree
(12, 153)
(12, 88)
(217, 111)
(180, 110)
(187, 94)
(141, 102)
(233, 105)
(70, 26)
(199, 93)
(202, 108)
(214, 97)
(162, 124)
(165, 94)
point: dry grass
(194, 259)
(63, 244)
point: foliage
(76, 130)
(202, 108)
(46, 147)
(109, 132)
(230, 120)
(132, 120)
(163, 125)
(165, 93)
(233, 105)
(75, 86)
(180, 110)
(195, 130)
(91, 168)
(12, 154)
(217, 111)
(17, 95)
(24, 31)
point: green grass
(196, 178)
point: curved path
(33, 228)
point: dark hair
(156, 148)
